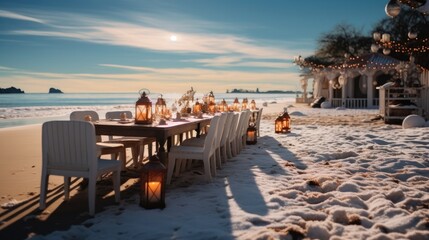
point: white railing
(304, 100)
(353, 102)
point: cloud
(12, 15)
(147, 33)
(226, 61)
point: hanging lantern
(392, 8)
(160, 107)
(251, 134)
(152, 180)
(235, 105)
(278, 124)
(244, 104)
(253, 104)
(285, 121)
(143, 110)
(197, 108)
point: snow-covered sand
(337, 175)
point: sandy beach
(338, 175)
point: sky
(169, 45)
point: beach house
(357, 83)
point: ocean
(36, 108)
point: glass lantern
(160, 107)
(197, 108)
(223, 106)
(236, 105)
(251, 134)
(152, 180)
(285, 121)
(211, 97)
(278, 124)
(143, 110)
(212, 108)
(244, 104)
(253, 104)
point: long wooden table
(162, 133)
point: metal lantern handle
(144, 90)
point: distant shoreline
(265, 92)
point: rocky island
(55, 90)
(11, 90)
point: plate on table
(126, 121)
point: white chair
(231, 149)
(133, 144)
(225, 137)
(199, 141)
(143, 140)
(206, 153)
(242, 125)
(69, 149)
(258, 122)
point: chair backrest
(211, 136)
(117, 114)
(80, 115)
(227, 128)
(69, 146)
(243, 123)
(233, 129)
(258, 119)
(219, 130)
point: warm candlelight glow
(153, 191)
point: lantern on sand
(160, 107)
(278, 124)
(285, 121)
(251, 134)
(152, 180)
(143, 109)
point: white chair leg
(43, 191)
(171, 163)
(179, 163)
(91, 195)
(116, 177)
(212, 162)
(207, 171)
(66, 188)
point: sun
(173, 38)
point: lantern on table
(211, 97)
(285, 121)
(143, 109)
(160, 107)
(244, 104)
(251, 134)
(152, 184)
(197, 108)
(278, 124)
(235, 105)
(253, 105)
(223, 106)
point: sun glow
(173, 38)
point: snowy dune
(337, 175)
